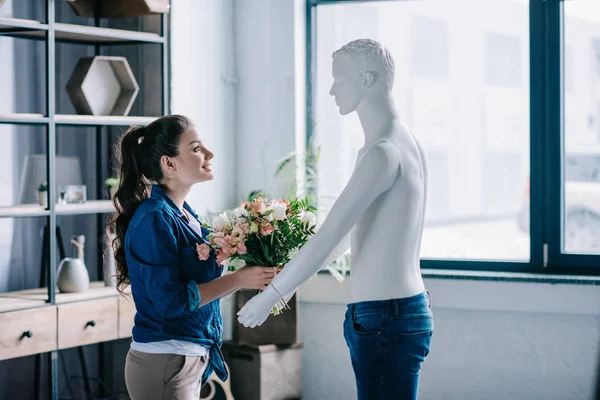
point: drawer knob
(91, 323)
(27, 334)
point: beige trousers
(163, 376)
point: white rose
(270, 216)
(221, 221)
(237, 263)
(240, 212)
(308, 218)
(279, 211)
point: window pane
(581, 158)
(462, 86)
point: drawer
(27, 332)
(87, 322)
(126, 315)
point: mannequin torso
(386, 239)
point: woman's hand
(255, 277)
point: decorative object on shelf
(102, 85)
(73, 275)
(113, 185)
(110, 268)
(120, 8)
(68, 172)
(73, 194)
(43, 195)
(264, 372)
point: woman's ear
(168, 165)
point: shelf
(29, 29)
(99, 120)
(13, 304)
(97, 290)
(23, 211)
(89, 207)
(66, 119)
(23, 119)
(22, 28)
(35, 210)
(102, 36)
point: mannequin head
(361, 69)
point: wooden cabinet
(87, 322)
(30, 326)
(27, 332)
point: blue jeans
(388, 342)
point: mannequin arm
(339, 250)
(373, 175)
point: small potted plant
(43, 194)
(113, 185)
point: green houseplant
(42, 192)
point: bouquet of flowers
(262, 232)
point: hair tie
(138, 131)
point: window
(581, 139)
(428, 47)
(460, 87)
(502, 59)
(468, 89)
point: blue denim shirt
(164, 270)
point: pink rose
(259, 207)
(266, 229)
(221, 256)
(203, 251)
(221, 241)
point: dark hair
(138, 154)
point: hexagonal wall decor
(119, 8)
(102, 85)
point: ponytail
(129, 195)
(138, 153)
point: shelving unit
(71, 33)
(46, 303)
(26, 119)
(35, 210)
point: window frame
(546, 91)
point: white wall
(202, 60)
(265, 97)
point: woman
(177, 331)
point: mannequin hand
(258, 308)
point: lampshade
(68, 172)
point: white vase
(73, 276)
(43, 199)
